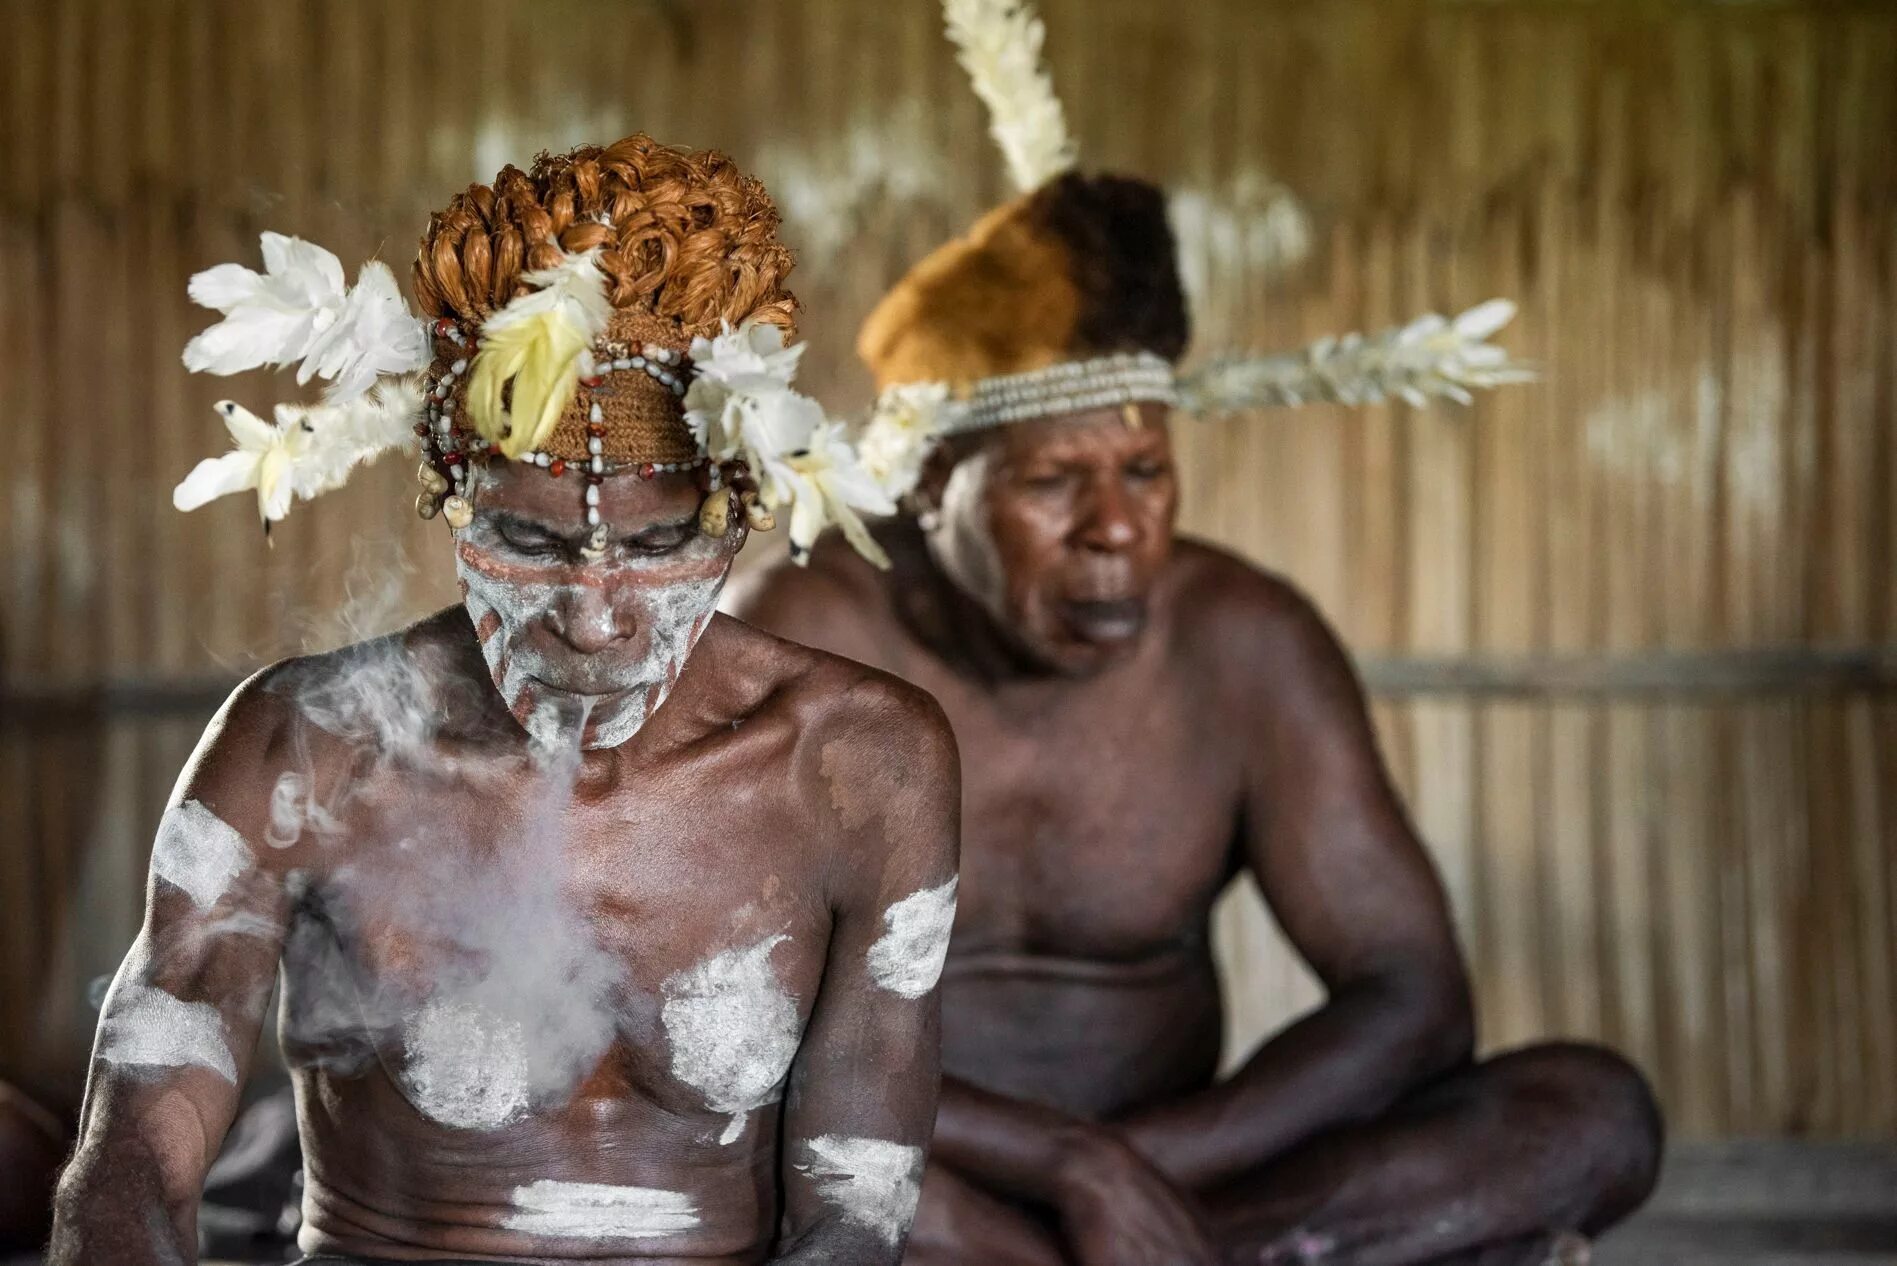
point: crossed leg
(1496, 1165)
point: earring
(929, 520)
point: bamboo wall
(1630, 630)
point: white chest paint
(733, 1030)
(198, 852)
(597, 1211)
(143, 1026)
(907, 958)
(873, 1183)
(467, 1067)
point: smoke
(438, 933)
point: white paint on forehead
(873, 1183)
(598, 1211)
(148, 1027)
(467, 1067)
(733, 1030)
(907, 958)
(199, 852)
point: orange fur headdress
(1068, 297)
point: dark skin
(1142, 718)
(776, 805)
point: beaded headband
(557, 379)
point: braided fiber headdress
(612, 309)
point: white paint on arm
(467, 1067)
(147, 1027)
(873, 1183)
(598, 1211)
(733, 1030)
(198, 852)
(907, 959)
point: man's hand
(1117, 1210)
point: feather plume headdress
(363, 340)
(1068, 297)
(615, 353)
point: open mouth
(1110, 621)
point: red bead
(453, 459)
(556, 467)
(594, 479)
(594, 381)
(596, 430)
(442, 327)
(493, 450)
(646, 471)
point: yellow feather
(540, 354)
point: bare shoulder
(837, 599)
(1244, 617)
(861, 743)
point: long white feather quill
(999, 43)
(1431, 356)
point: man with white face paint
(608, 926)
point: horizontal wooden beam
(1656, 675)
(1791, 670)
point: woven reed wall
(1631, 630)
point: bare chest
(517, 952)
(1097, 823)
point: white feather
(1429, 356)
(310, 450)
(299, 309)
(1000, 48)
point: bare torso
(564, 1007)
(1080, 973)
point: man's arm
(181, 1020)
(1353, 889)
(862, 1090)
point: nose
(1108, 523)
(585, 619)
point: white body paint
(148, 1027)
(873, 1183)
(733, 1030)
(671, 617)
(597, 1211)
(199, 852)
(467, 1067)
(907, 958)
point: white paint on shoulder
(467, 1067)
(733, 1030)
(143, 1026)
(873, 1183)
(598, 1211)
(907, 958)
(199, 852)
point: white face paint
(148, 1027)
(199, 852)
(467, 1067)
(871, 1182)
(733, 1030)
(647, 615)
(907, 958)
(596, 1211)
